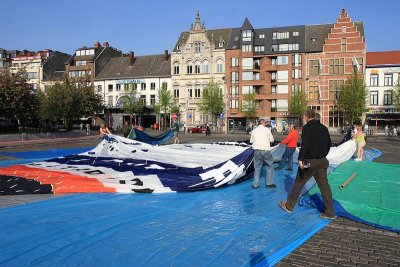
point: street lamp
(226, 105)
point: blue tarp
(148, 139)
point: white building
(381, 76)
(146, 74)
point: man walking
(175, 128)
(291, 143)
(261, 137)
(315, 145)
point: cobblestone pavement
(340, 243)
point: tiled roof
(216, 35)
(143, 66)
(383, 58)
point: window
(259, 48)
(373, 80)
(190, 92)
(110, 101)
(296, 73)
(221, 44)
(262, 36)
(197, 92)
(360, 61)
(312, 90)
(234, 103)
(234, 77)
(282, 105)
(176, 68)
(295, 33)
(388, 80)
(335, 86)
(110, 87)
(99, 88)
(246, 48)
(247, 104)
(220, 66)
(176, 92)
(273, 105)
(388, 97)
(164, 85)
(336, 66)
(234, 91)
(247, 63)
(118, 88)
(285, 47)
(296, 87)
(152, 86)
(246, 35)
(280, 60)
(373, 98)
(246, 89)
(152, 100)
(336, 117)
(189, 69)
(205, 66)
(282, 76)
(313, 67)
(280, 35)
(234, 62)
(280, 89)
(247, 76)
(143, 98)
(80, 63)
(143, 86)
(343, 45)
(197, 47)
(31, 75)
(197, 67)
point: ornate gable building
(197, 58)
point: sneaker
(254, 187)
(357, 159)
(270, 186)
(324, 216)
(282, 204)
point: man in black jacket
(315, 145)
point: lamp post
(226, 105)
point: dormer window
(177, 47)
(313, 38)
(221, 44)
(246, 36)
(262, 36)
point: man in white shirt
(261, 137)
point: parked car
(197, 129)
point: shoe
(282, 204)
(357, 159)
(254, 187)
(270, 186)
(324, 216)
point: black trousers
(318, 169)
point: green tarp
(373, 195)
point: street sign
(189, 116)
(222, 115)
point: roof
(383, 58)
(247, 25)
(216, 36)
(143, 66)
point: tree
(396, 97)
(69, 101)
(19, 100)
(131, 102)
(164, 102)
(298, 104)
(248, 106)
(212, 100)
(352, 97)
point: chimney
(165, 55)
(96, 45)
(131, 56)
(106, 44)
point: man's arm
(329, 142)
(305, 143)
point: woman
(360, 142)
(104, 130)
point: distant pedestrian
(366, 129)
(387, 130)
(315, 145)
(175, 128)
(208, 130)
(261, 139)
(126, 129)
(87, 129)
(394, 131)
(81, 127)
(291, 143)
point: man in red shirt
(291, 143)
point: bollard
(24, 137)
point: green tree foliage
(248, 106)
(164, 102)
(69, 101)
(297, 104)
(352, 97)
(131, 102)
(212, 101)
(396, 97)
(18, 100)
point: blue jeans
(262, 157)
(287, 155)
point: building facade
(197, 58)
(88, 62)
(381, 76)
(145, 74)
(273, 62)
(40, 68)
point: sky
(152, 26)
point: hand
(301, 165)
